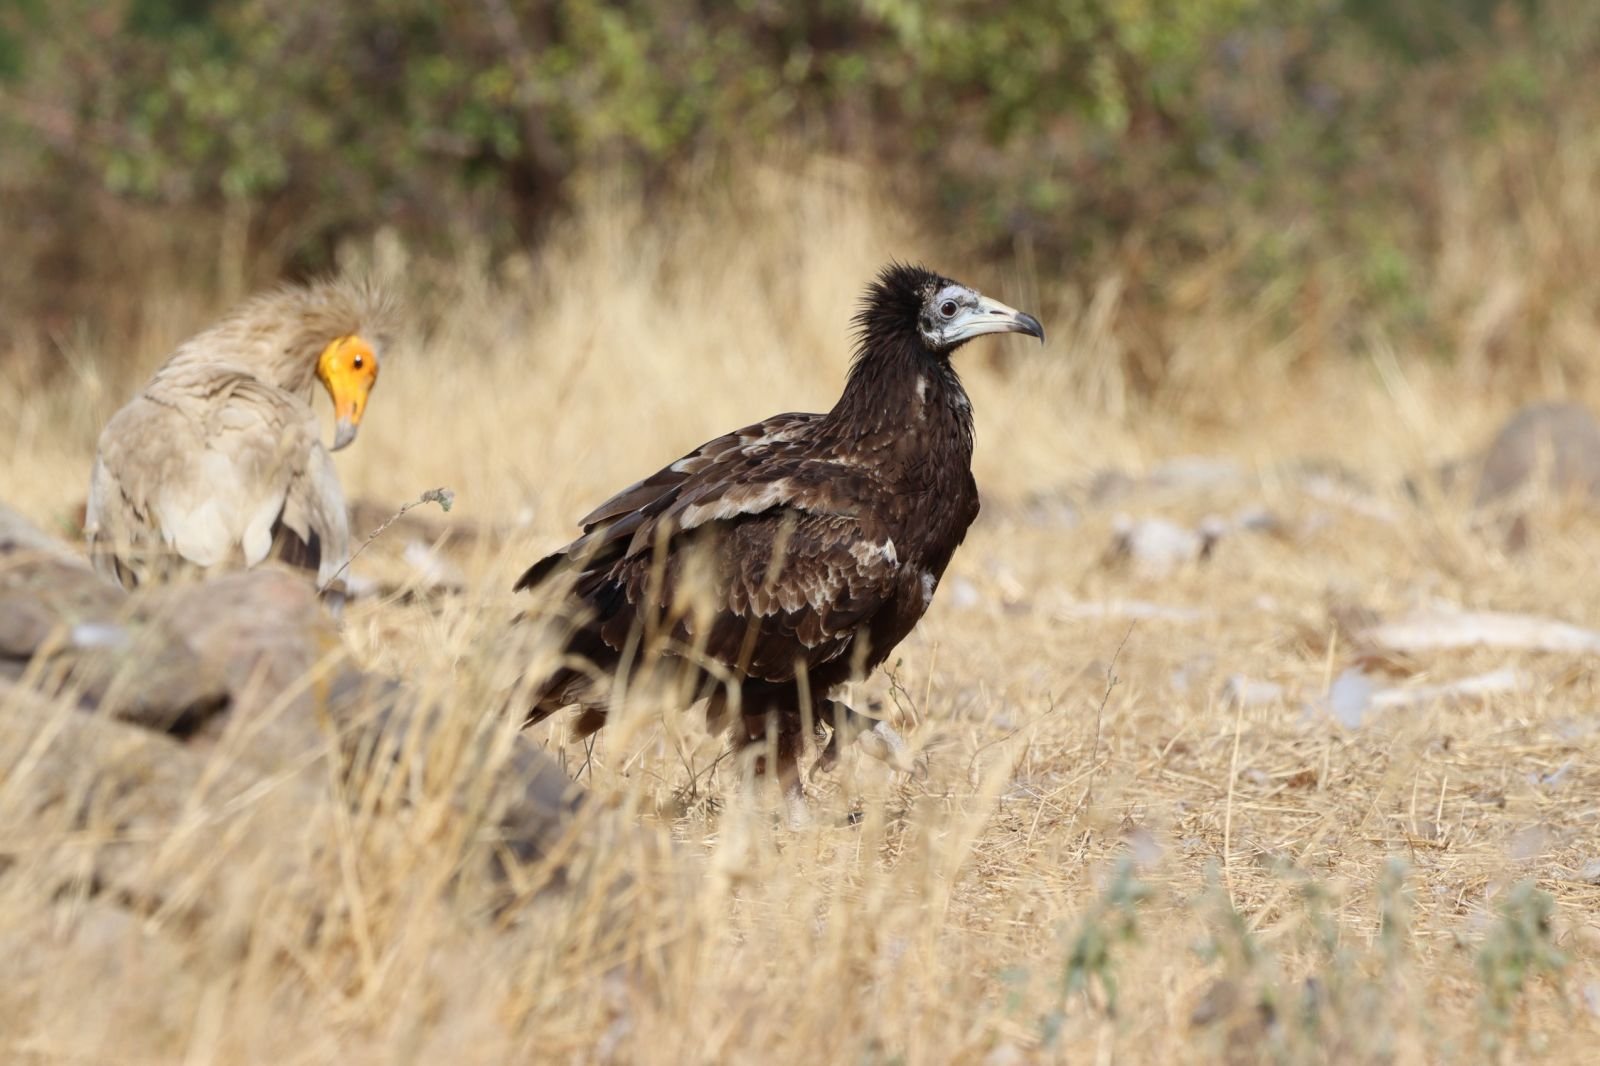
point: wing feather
(313, 527)
(774, 557)
(742, 447)
(768, 620)
(202, 465)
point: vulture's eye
(948, 308)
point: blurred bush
(1094, 135)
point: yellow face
(347, 368)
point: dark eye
(359, 362)
(948, 308)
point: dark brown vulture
(789, 557)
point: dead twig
(445, 498)
(1099, 716)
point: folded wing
(755, 551)
(209, 468)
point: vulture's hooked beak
(344, 431)
(347, 368)
(992, 316)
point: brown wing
(719, 469)
(764, 594)
(746, 447)
(770, 554)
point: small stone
(1349, 698)
(1156, 546)
(962, 594)
(1245, 692)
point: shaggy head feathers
(892, 306)
(278, 335)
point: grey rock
(249, 667)
(1561, 441)
(1248, 692)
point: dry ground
(1108, 861)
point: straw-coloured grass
(1108, 860)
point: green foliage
(397, 96)
(1113, 920)
(1307, 991)
(1415, 31)
(1030, 61)
(1518, 949)
(19, 22)
(1104, 133)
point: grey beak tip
(1031, 326)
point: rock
(130, 787)
(1494, 682)
(262, 628)
(149, 977)
(77, 633)
(1354, 694)
(1349, 698)
(257, 651)
(1155, 547)
(1436, 630)
(1543, 450)
(1560, 441)
(1246, 692)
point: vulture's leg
(876, 737)
(761, 721)
(788, 742)
(797, 811)
(588, 722)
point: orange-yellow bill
(347, 368)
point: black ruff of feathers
(865, 503)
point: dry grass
(1135, 872)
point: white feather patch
(865, 552)
(770, 495)
(929, 583)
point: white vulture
(218, 461)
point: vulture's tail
(535, 574)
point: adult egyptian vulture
(786, 558)
(218, 460)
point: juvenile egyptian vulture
(814, 542)
(218, 461)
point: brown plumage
(788, 557)
(218, 460)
